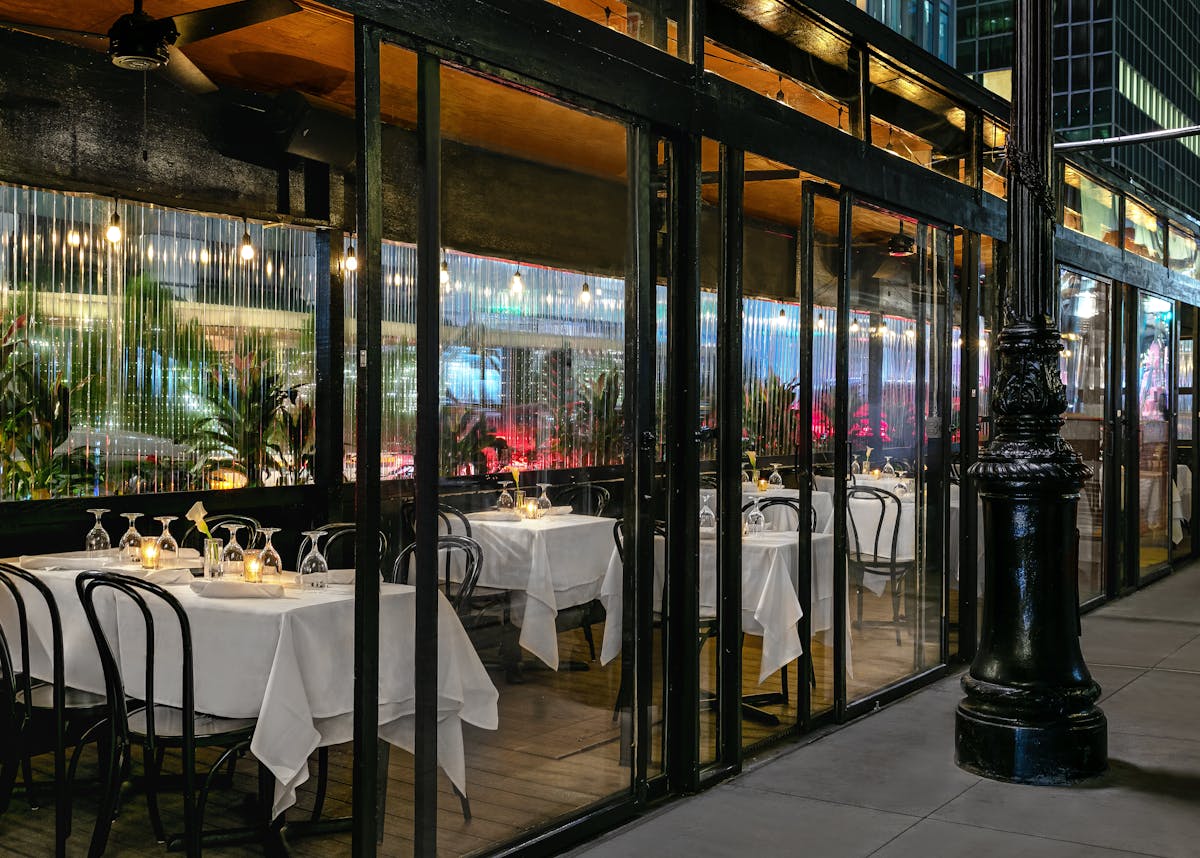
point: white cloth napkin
(219, 588)
(560, 510)
(162, 577)
(495, 515)
(81, 560)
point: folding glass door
(1185, 428)
(1158, 522)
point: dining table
(548, 564)
(286, 661)
(782, 517)
(770, 606)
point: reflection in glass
(1159, 524)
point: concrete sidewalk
(887, 785)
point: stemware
(888, 470)
(168, 548)
(505, 500)
(131, 540)
(855, 467)
(708, 518)
(543, 501)
(314, 571)
(776, 478)
(232, 555)
(272, 563)
(756, 522)
(97, 538)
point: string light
(351, 259)
(247, 250)
(585, 294)
(517, 285)
(113, 233)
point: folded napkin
(708, 533)
(75, 560)
(162, 577)
(220, 588)
(560, 510)
(495, 515)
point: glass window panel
(1143, 232)
(1156, 518)
(184, 348)
(1090, 208)
(654, 23)
(915, 122)
(995, 158)
(1182, 252)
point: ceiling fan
(139, 42)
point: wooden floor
(557, 750)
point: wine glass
(233, 553)
(506, 502)
(756, 522)
(855, 467)
(888, 470)
(708, 518)
(272, 563)
(97, 538)
(168, 548)
(314, 571)
(131, 540)
(776, 478)
(543, 501)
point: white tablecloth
(288, 662)
(770, 607)
(781, 517)
(550, 564)
(1183, 479)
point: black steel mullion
(729, 457)
(841, 470)
(946, 262)
(1114, 455)
(926, 516)
(368, 396)
(804, 453)
(637, 645)
(968, 421)
(682, 572)
(329, 313)
(428, 331)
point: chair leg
(322, 782)
(859, 592)
(591, 642)
(27, 777)
(896, 608)
(62, 802)
(784, 684)
(114, 755)
(10, 763)
(153, 761)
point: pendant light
(901, 245)
(517, 285)
(247, 249)
(113, 233)
(585, 294)
(444, 274)
(351, 259)
(779, 96)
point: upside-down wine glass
(505, 501)
(314, 571)
(97, 538)
(855, 467)
(888, 469)
(776, 478)
(168, 548)
(708, 518)
(544, 503)
(131, 540)
(233, 552)
(756, 522)
(272, 563)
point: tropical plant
(295, 434)
(590, 430)
(245, 400)
(769, 415)
(465, 437)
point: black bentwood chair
(156, 727)
(41, 717)
(873, 549)
(585, 498)
(462, 600)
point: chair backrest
(587, 498)
(338, 532)
(194, 538)
(143, 594)
(22, 680)
(451, 544)
(660, 529)
(450, 518)
(879, 539)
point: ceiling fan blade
(95, 41)
(186, 74)
(206, 23)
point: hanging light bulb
(854, 327)
(204, 256)
(444, 276)
(113, 233)
(73, 238)
(911, 333)
(882, 328)
(517, 284)
(247, 250)
(821, 322)
(779, 96)
(351, 261)
(781, 319)
(585, 294)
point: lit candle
(875, 473)
(149, 552)
(531, 509)
(252, 566)
(762, 485)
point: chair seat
(42, 697)
(209, 729)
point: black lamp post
(1029, 714)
